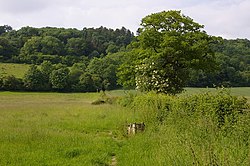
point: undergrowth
(211, 128)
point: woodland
(93, 59)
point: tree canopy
(171, 51)
(34, 45)
(168, 45)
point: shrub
(200, 129)
(11, 83)
(98, 102)
(1, 83)
(105, 99)
(127, 100)
(153, 107)
(221, 109)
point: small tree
(87, 83)
(1, 83)
(7, 50)
(60, 79)
(103, 71)
(34, 79)
(5, 28)
(167, 46)
(74, 76)
(46, 69)
(12, 83)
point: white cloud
(22, 7)
(227, 18)
(223, 18)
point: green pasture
(236, 91)
(59, 129)
(17, 70)
(66, 129)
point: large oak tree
(168, 45)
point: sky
(226, 18)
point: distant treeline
(233, 66)
(88, 59)
(60, 45)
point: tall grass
(66, 129)
(59, 129)
(199, 129)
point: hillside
(17, 70)
(95, 55)
(60, 45)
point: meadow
(66, 129)
(58, 129)
(236, 91)
(17, 70)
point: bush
(127, 100)
(98, 102)
(105, 99)
(153, 107)
(11, 83)
(1, 83)
(220, 108)
(200, 129)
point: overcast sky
(225, 18)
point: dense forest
(88, 60)
(233, 66)
(63, 59)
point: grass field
(59, 129)
(66, 129)
(240, 91)
(17, 70)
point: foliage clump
(105, 99)
(219, 109)
(211, 128)
(168, 45)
